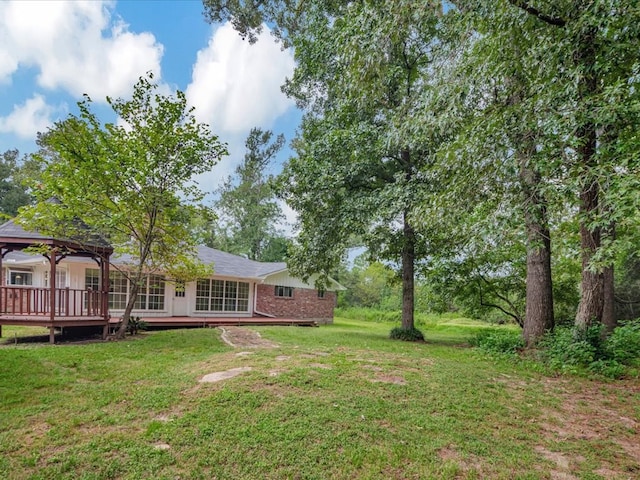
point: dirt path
(238, 337)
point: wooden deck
(221, 321)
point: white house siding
(286, 280)
(253, 273)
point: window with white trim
(282, 291)
(92, 279)
(222, 296)
(61, 278)
(20, 277)
(150, 293)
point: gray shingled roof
(228, 264)
(235, 266)
(224, 264)
(11, 229)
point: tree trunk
(538, 317)
(539, 293)
(133, 296)
(609, 309)
(408, 260)
(592, 283)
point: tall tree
(362, 70)
(130, 182)
(247, 206)
(500, 72)
(361, 77)
(553, 102)
(596, 56)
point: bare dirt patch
(597, 414)
(466, 463)
(323, 366)
(238, 337)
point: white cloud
(29, 118)
(235, 85)
(75, 46)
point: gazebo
(50, 306)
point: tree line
(482, 145)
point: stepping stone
(217, 376)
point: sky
(53, 51)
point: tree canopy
(476, 132)
(13, 192)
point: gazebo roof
(15, 237)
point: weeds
(499, 341)
(573, 350)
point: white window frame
(151, 296)
(9, 278)
(216, 295)
(62, 278)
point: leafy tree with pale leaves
(130, 182)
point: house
(241, 291)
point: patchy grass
(340, 401)
(11, 332)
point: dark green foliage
(247, 208)
(13, 194)
(574, 350)
(406, 334)
(623, 345)
(370, 314)
(370, 285)
(564, 349)
(628, 285)
(499, 341)
(135, 325)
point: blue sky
(52, 52)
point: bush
(566, 348)
(369, 314)
(571, 349)
(135, 325)
(623, 345)
(406, 334)
(498, 341)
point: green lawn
(339, 402)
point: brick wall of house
(304, 304)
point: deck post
(53, 256)
(52, 335)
